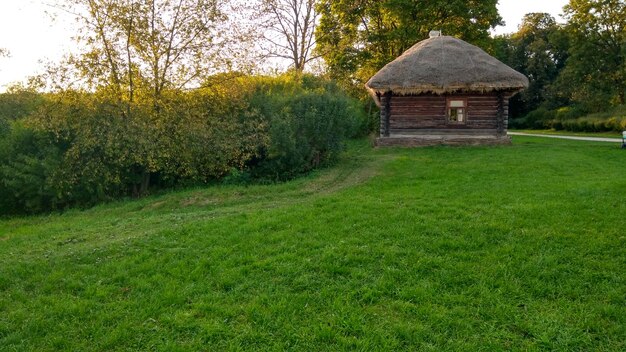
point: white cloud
(512, 11)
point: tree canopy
(146, 46)
(596, 71)
(357, 38)
(539, 50)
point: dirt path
(579, 138)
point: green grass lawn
(441, 248)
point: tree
(539, 50)
(360, 37)
(146, 46)
(596, 70)
(290, 30)
(18, 102)
(137, 53)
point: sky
(32, 36)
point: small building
(444, 91)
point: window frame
(449, 100)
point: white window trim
(452, 103)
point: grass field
(442, 248)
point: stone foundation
(423, 141)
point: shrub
(573, 119)
(519, 123)
(19, 102)
(612, 124)
(307, 125)
(569, 113)
(28, 159)
(539, 119)
(81, 148)
(588, 124)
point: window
(457, 110)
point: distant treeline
(577, 70)
(76, 148)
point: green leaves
(580, 64)
(539, 50)
(597, 65)
(141, 48)
(27, 159)
(308, 119)
(79, 149)
(358, 38)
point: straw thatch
(445, 65)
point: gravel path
(579, 138)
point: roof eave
(438, 90)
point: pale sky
(32, 36)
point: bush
(573, 119)
(27, 160)
(588, 124)
(78, 149)
(569, 113)
(519, 123)
(307, 125)
(537, 119)
(19, 102)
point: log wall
(485, 112)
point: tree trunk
(141, 188)
(145, 183)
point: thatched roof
(445, 65)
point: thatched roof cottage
(444, 91)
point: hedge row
(571, 119)
(78, 149)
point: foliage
(538, 119)
(538, 50)
(590, 124)
(140, 49)
(308, 123)
(574, 119)
(569, 113)
(580, 66)
(358, 38)
(27, 160)
(94, 148)
(390, 250)
(108, 154)
(596, 72)
(18, 102)
(612, 120)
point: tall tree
(146, 45)
(290, 30)
(359, 37)
(137, 53)
(596, 70)
(539, 50)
